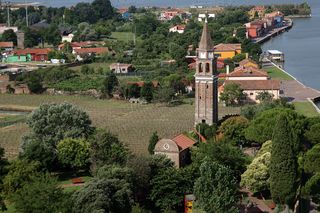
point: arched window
(200, 67)
(207, 67)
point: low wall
(313, 102)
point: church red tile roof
(246, 61)
(227, 47)
(256, 84)
(248, 72)
(183, 142)
(96, 50)
(6, 44)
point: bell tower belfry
(206, 97)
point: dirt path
(297, 92)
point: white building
(177, 29)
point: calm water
(301, 45)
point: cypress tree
(152, 142)
(283, 167)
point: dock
(274, 32)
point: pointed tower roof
(206, 42)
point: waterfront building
(224, 51)
(276, 18)
(252, 88)
(257, 10)
(206, 81)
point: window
(207, 67)
(207, 86)
(203, 121)
(200, 67)
(251, 93)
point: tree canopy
(216, 188)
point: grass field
(276, 73)
(122, 36)
(306, 108)
(134, 124)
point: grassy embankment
(276, 73)
(306, 109)
(133, 123)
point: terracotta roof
(227, 47)
(122, 10)
(259, 8)
(96, 50)
(179, 27)
(246, 61)
(206, 42)
(256, 84)
(248, 72)
(37, 51)
(183, 142)
(274, 14)
(6, 44)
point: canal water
(301, 47)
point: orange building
(224, 51)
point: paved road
(297, 92)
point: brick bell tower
(206, 98)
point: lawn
(133, 123)
(276, 73)
(306, 108)
(122, 36)
(95, 65)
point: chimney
(227, 69)
(247, 55)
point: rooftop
(36, 51)
(6, 44)
(275, 52)
(227, 47)
(206, 42)
(183, 142)
(248, 72)
(96, 50)
(256, 84)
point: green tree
(264, 97)
(283, 167)
(207, 131)
(256, 177)
(232, 94)
(20, 173)
(73, 153)
(9, 35)
(147, 91)
(113, 171)
(152, 142)
(216, 188)
(110, 82)
(41, 195)
(106, 149)
(133, 91)
(103, 195)
(103, 9)
(222, 153)
(167, 189)
(261, 127)
(3, 171)
(35, 149)
(34, 84)
(312, 160)
(164, 94)
(233, 130)
(312, 187)
(313, 134)
(55, 122)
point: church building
(206, 79)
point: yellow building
(224, 51)
(257, 10)
(248, 63)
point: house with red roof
(242, 73)
(177, 29)
(37, 54)
(176, 149)
(83, 52)
(6, 46)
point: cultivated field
(134, 124)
